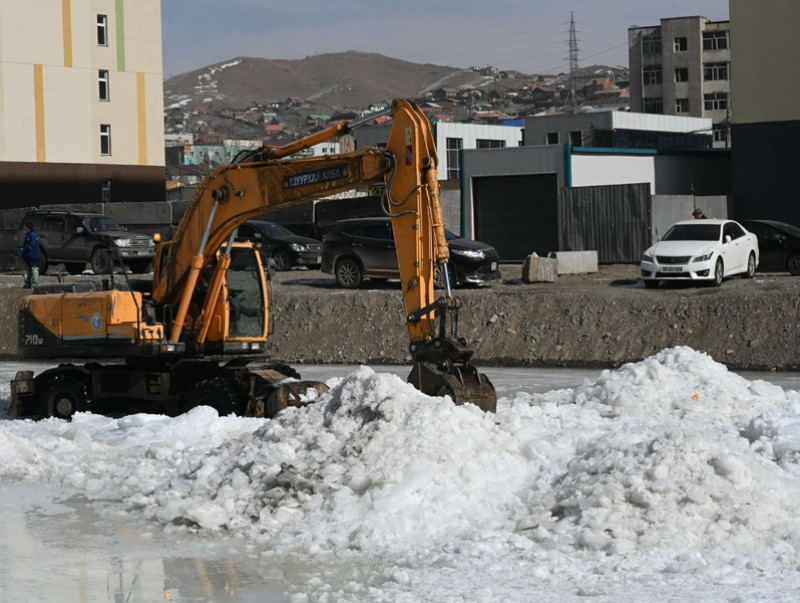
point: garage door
(517, 215)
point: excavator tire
(64, 397)
(218, 393)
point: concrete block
(93, 208)
(575, 262)
(537, 269)
(130, 214)
(10, 219)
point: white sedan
(701, 250)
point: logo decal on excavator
(335, 172)
(97, 321)
(409, 147)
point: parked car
(701, 250)
(281, 245)
(75, 238)
(362, 248)
(778, 243)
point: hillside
(238, 98)
(340, 80)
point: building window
(651, 44)
(102, 80)
(680, 44)
(681, 105)
(552, 138)
(653, 105)
(576, 138)
(454, 146)
(681, 74)
(485, 143)
(651, 75)
(716, 101)
(105, 139)
(715, 71)
(105, 191)
(102, 30)
(715, 40)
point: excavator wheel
(218, 393)
(65, 396)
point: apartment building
(766, 123)
(683, 67)
(81, 101)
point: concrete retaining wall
(532, 326)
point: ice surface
(663, 473)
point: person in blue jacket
(31, 253)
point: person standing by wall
(31, 253)
(698, 214)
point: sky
(666, 479)
(530, 36)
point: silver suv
(77, 238)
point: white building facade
(81, 101)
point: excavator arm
(235, 193)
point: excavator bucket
(463, 383)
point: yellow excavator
(196, 334)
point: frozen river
(666, 478)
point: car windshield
(693, 232)
(101, 223)
(449, 235)
(276, 230)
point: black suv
(281, 245)
(75, 238)
(364, 248)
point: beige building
(766, 122)
(683, 67)
(81, 101)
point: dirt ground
(601, 319)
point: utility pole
(573, 63)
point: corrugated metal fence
(614, 220)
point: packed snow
(670, 478)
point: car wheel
(282, 261)
(651, 284)
(438, 277)
(218, 393)
(793, 263)
(74, 268)
(751, 266)
(719, 273)
(65, 397)
(348, 273)
(43, 263)
(101, 262)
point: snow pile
(672, 464)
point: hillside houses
(497, 98)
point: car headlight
(704, 257)
(122, 242)
(475, 254)
(297, 247)
(647, 258)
